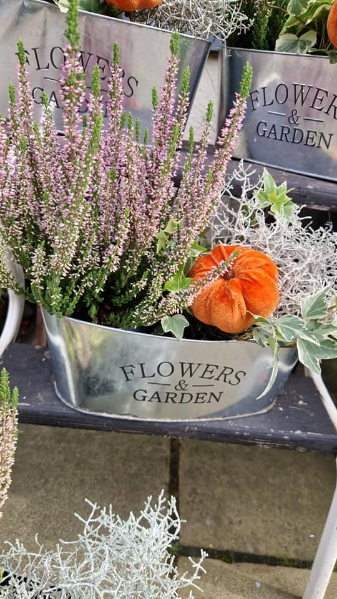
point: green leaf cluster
(296, 26)
(175, 325)
(314, 333)
(275, 198)
(305, 29)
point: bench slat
(296, 421)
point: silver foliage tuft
(202, 18)
(306, 258)
(115, 558)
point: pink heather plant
(93, 217)
(8, 433)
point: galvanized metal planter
(291, 119)
(144, 52)
(124, 373)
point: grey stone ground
(261, 502)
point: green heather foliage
(8, 433)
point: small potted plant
(107, 244)
(291, 119)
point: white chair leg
(326, 556)
(325, 396)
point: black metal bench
(297, 420)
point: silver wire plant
(203, 18)
(120, 559)
(306, 259)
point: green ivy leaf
(178, 282)
(276, 198)
(175, 324)
(269, 184)
(196, 249)
(162, 241)
(172, 226)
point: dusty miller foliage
(95, 220)
(306, 258)
(115, 558)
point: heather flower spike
(8, 433)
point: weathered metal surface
(291, 119)
(144, 52)
(111, 371)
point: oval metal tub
(124, 373)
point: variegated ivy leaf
(315, 306)
(274, 365)
(322, 330)
(310, 354)
(332, 56)
(289, 42)
(297, 7)
(63, 5)
(307, 357)
(175, 324)
(291, 327)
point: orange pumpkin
(331, 25)
(248, 287)
(131, 5)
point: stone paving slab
(57, 468)
(225, 581)
(291, 580)
(253, 500)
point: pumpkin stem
(229, 274)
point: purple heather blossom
(82, 213)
